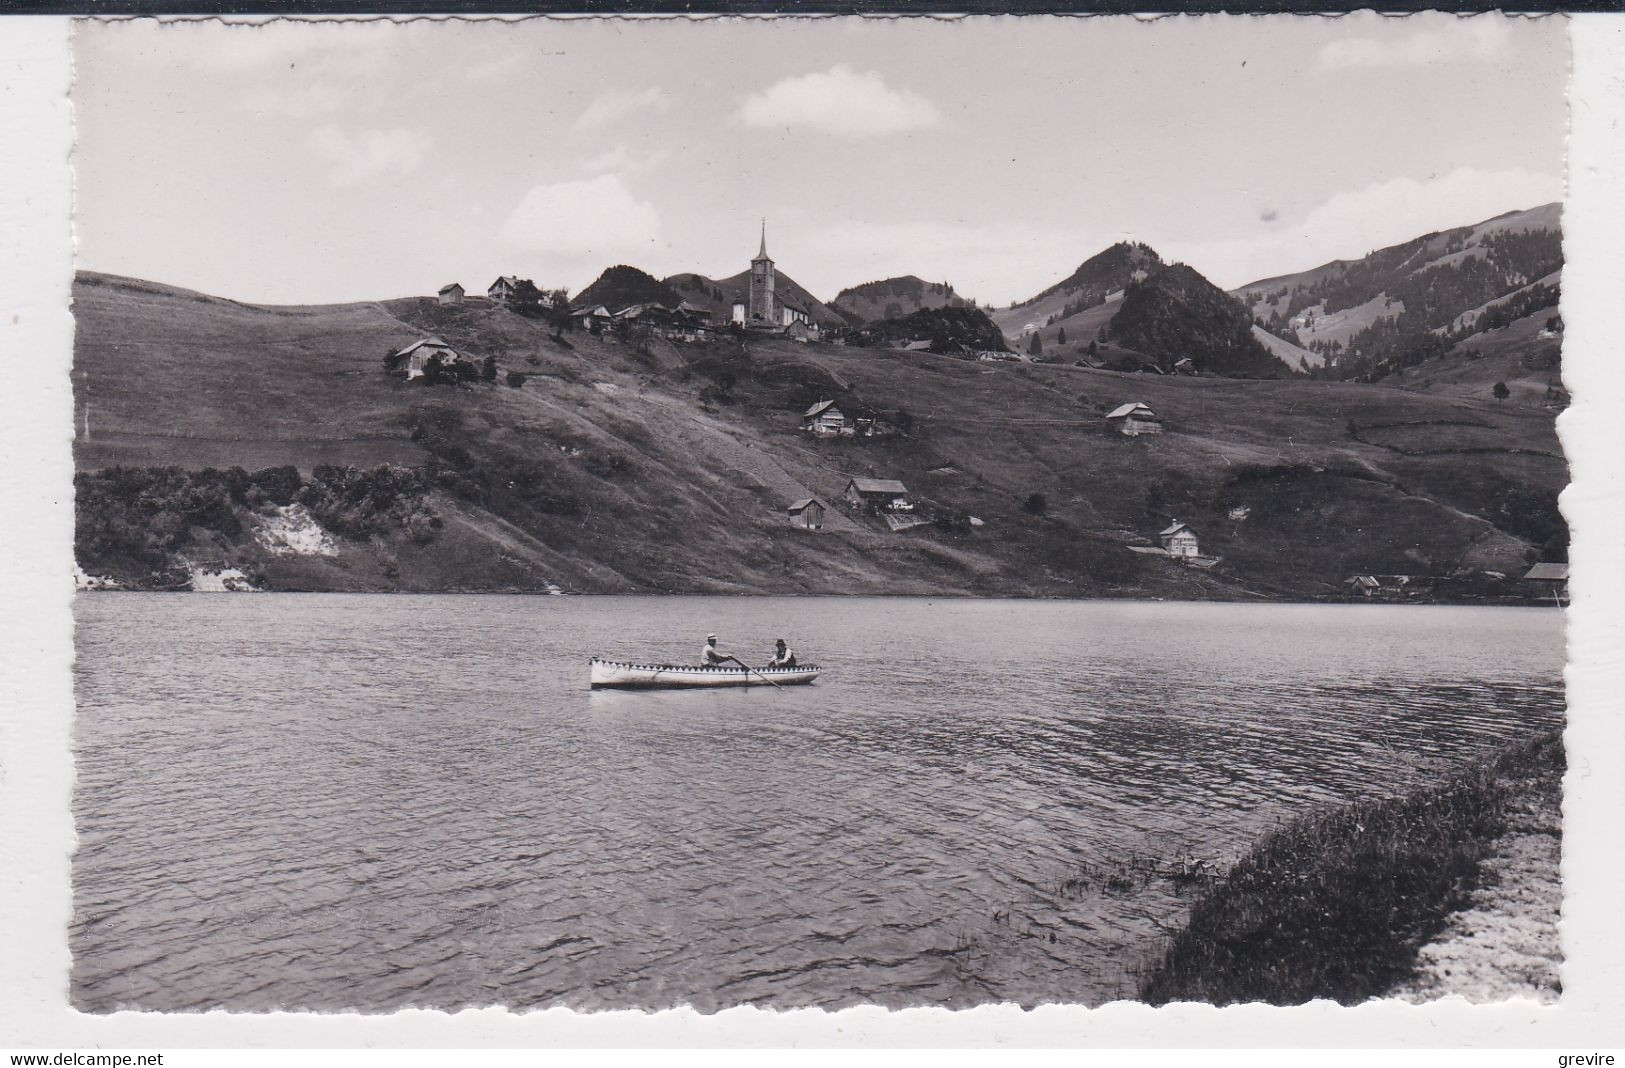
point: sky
(340, 160)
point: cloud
(614, 106)
(589, 216)
(839, 101)
(1479, 37)
(1350, 224)
(623, 160)
(355, 158)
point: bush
(279, 484)
(515, 379)
(1035, 504)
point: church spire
(762, 255)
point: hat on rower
(710, 637)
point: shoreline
(1452, 889)
(952, 595)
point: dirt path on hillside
(1505, 944)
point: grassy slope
(1339, 904)
(1515, 354)
(695, 501)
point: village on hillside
(629, 309)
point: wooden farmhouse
(1179, 540)
(1134, 419)
(1184, 366)
(595, 319)
(416, 356)
(452, 294)
(878, 495)
(807, 514)
(826, 420)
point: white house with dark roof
(503, 289)
(826, 420)
(1179, 540)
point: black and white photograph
(817, 513)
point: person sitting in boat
(783, 656)
(711, 656)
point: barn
(1134, 419)
(416, 356)
(451, 294)
(807, 514)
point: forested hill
(212, 433)
(621, 286)
(1177, 314)
(893, 298)
(1125, 308)
(1414, 302)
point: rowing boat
(618, 674)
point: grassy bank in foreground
(1337, 904)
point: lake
(370, 802)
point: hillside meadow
(647, 466)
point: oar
(759, 675)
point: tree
(1035, 504)
(526, 299)
(488, 369)
(515, 379)
(1092, 349)
(1060, 336)
(1501, 392)
(434, 369)
(1035, 347)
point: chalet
(1179, 540)
(807, 514)
(595, 319)
(416, 356)
(878, 495)
(1133, 419)
(694, 313)
(1363, 585)
(827, 421)
(1184, 366)
(502, 290)
(452, 294)
(1549, 578)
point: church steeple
(763, 305)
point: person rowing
(711, 656)
(783, 656)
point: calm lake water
(327, 802)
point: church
(763, 308)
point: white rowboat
(609, 674)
